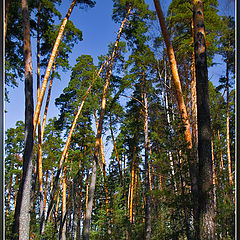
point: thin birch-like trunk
(147, 175)
(214, 176)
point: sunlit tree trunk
(176, 79)
(130, 195)
(7, 5)
(22, 211)
(220, 149)
(50, 63)
(206, 204)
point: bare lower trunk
(22, 211)
(206, 204)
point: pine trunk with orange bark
(50, 63)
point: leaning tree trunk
(206, 203)
(50, 63)
(22, 211)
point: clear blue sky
(98, 31)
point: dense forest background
(142, 143)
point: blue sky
(98, 31)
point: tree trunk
(206, 204)
(22, 211)
(214, 177)
(228, 127)
(130, 195)
(7, 5)
(147, 175)
(50, 63)
(220, 149)
(176, 79)
(64, 210)
(86, 225)
(194, 135)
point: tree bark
(206, 204)
(22, 211)
(7, 5)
